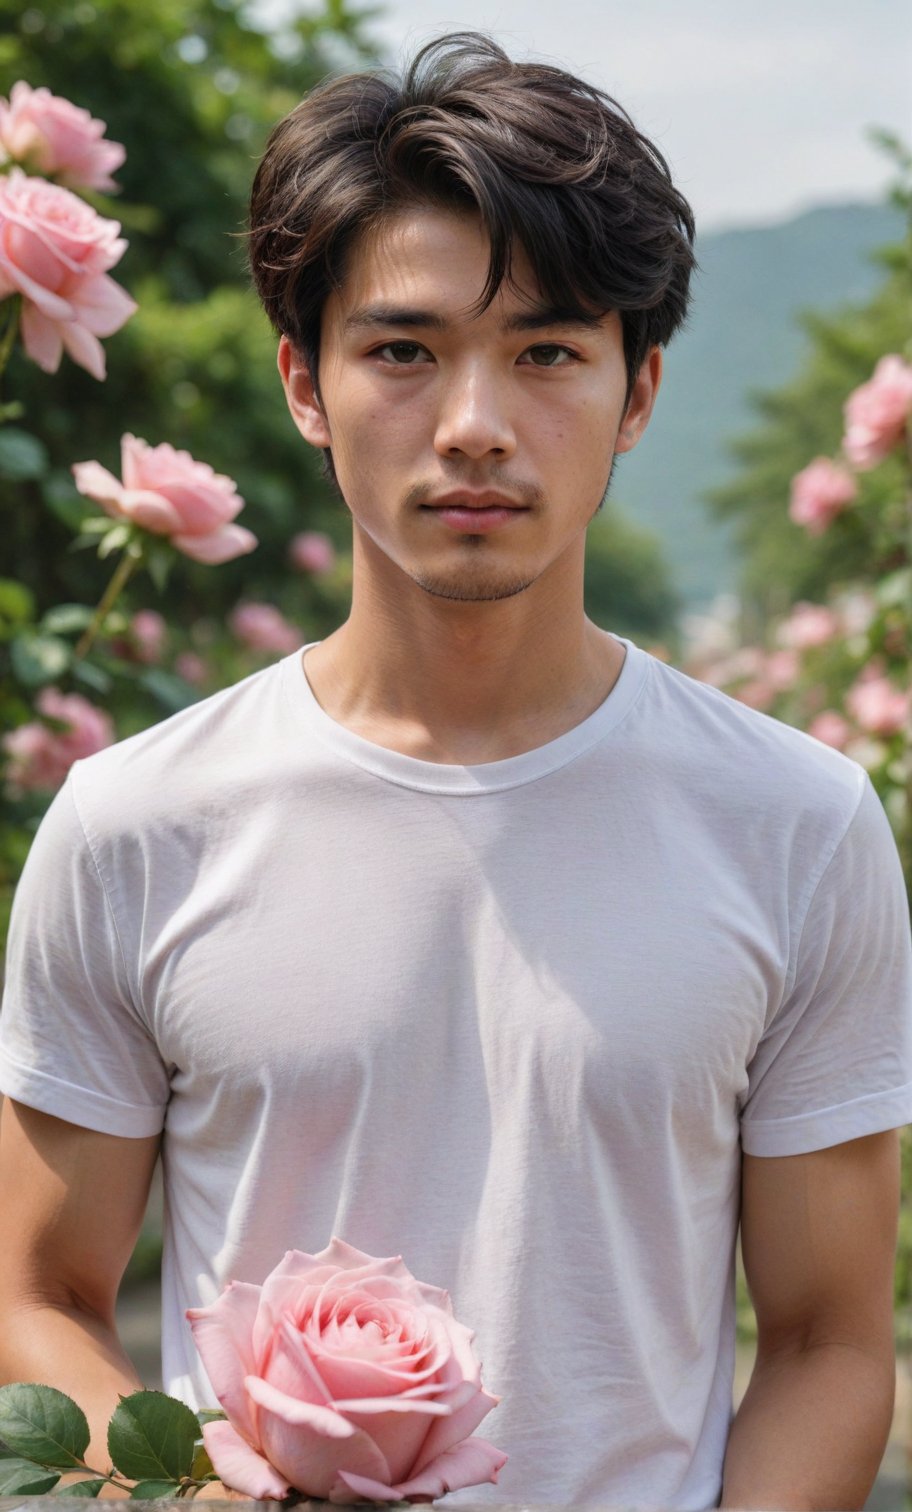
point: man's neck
(468, 684)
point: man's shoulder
(177, 762)
(738, 755)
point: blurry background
(766, 118)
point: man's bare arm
(818, 1237)
(72, 1202)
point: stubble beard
(486, 591)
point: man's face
(424, 400)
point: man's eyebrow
(550, 315)
(393, 315)
(536, 319)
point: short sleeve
(836, 1061)
(71, 1041)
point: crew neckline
(486, 777)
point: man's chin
(464, 591)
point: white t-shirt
(514, 1022)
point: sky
(761, 110)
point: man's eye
(402, 353)
(549, 355)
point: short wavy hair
(547, 161)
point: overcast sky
(761, 109)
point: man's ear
(306, 410)
(641, 401)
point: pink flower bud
(877, 706)
(830, 727)
(808, 625)
(40, 756)
(311, 551)
(877, 413)
(263, 628)
(149, 633)
(819, 493)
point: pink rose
(782, 669)
(150, 633)
(263, 628)
(808, 625)
(55, 251)
(54, 137)
(877, 706)
(191, 668)
(830, 727)
(345, 1378)
(168, 493)
(877, 413)
(311, 551)
(41, 756)
(819, 493)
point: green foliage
(628, 588)
(152, 1437)
(801, 421)
(192, 88)
(43, 1424)
(19, 1477)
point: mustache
(528, 494)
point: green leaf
(17, 605)
(44, 1424)
(115, 538)
(152, 1436)
(202, 1464)
(95, 525)
(81, 1488)
(66, 619)
(148, 1490)
(20, 1477)
(38, 659)
(93, 677)
(158, 561)
(169, 690)
(211, 1415)
(22, 456)
(63, 498)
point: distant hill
(742, 335)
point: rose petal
(150, 510)
(221, 545)
(449, 1431)
(202, 506)
(310, 1444)
(97, 483)
(101, 305)
(474, 1462)
(290, 1369)
(84, 348)
(41, 339)
(223, 1334)
(239, 1466)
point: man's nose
(472, 419)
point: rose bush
(40, 754)
(820, 492)
(50, 135)
(169, 493)
(344, 1378)
(263, 627)
(56, 252)
(877, 413)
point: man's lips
(476, 513)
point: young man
(475, 933)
